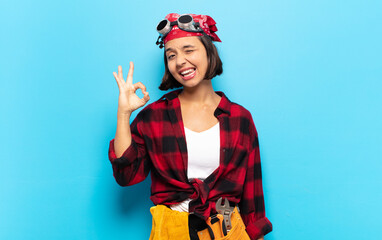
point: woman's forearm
(123, 134)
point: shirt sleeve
(252, 201)
(134, 164)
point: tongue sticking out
(189, 74)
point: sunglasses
(184, 22)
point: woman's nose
(180, 59)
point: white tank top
(203, 149)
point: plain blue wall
(309, 71)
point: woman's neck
(201, 94)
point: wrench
(226, 211)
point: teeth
(187, 71)
(188, 74)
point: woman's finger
(146, 97)
(141, 86)
(117, 79)
(130, 74)
(120, 72)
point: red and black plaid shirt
(159, 145)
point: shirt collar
(224, 104)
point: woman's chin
(190, 83)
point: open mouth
(187, 73)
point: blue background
(309, 71)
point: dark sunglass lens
(161, 25)
(185, 19)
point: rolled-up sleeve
(134, 164)
(251, 204)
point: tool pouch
(169, 224)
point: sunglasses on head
(184, 22)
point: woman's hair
(215, 66)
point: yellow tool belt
(169, 224)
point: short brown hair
(215, 66)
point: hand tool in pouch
(225, 210)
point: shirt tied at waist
(200, 204)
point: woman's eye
(188, 51)
(170, 56)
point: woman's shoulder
(241, 117)
(160, 105)
(240, 109)
(237, 109)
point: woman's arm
(128, 102)
(122, 138)
(133, 165)
(252, 201)
(127, 151)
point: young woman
(201, 148)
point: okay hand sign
(128, 100)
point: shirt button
(223, 149)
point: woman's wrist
(124, 115)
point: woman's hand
(129, 101)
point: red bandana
(206, 22)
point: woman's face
(187, 60)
